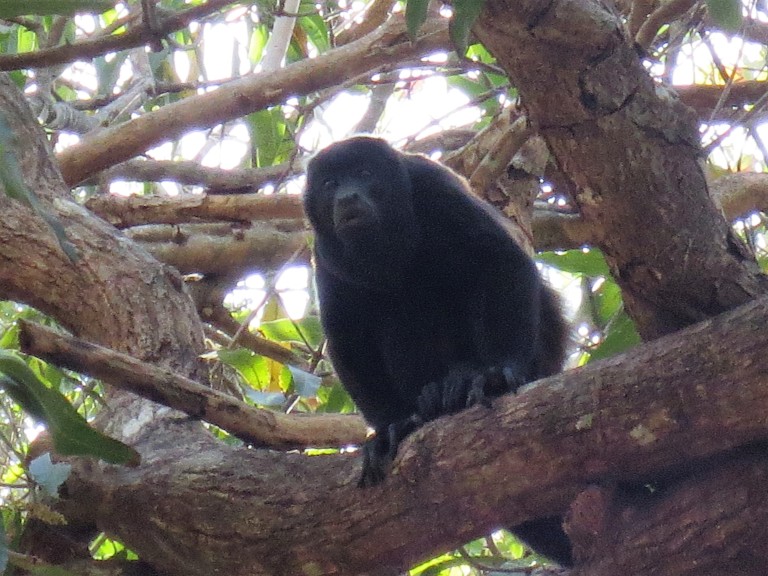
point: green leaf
(317, 31)
(465, 12)
(47, 475)
(335, 400)
(585, 262)
(253, 368)
(608, 301)
(72, 436)
(13, 8)
(726, 14)
(49, 570)
(271, 141)
(286, 330)
(415, 16)
(621, 336)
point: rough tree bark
(631, 150)
(199, 507)
(195, 506)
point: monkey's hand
(380, 451)
(463, 388)
(491, 383)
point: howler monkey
(428, 303)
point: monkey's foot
(380, 451)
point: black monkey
(428, 303)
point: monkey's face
(358, 197)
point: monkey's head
(359, 201)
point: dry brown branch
(704, 98)
(124, 212)
(133, 37)
(741, 193)
(500, 154)
(220, 317)
(388, 44)
(192, 173)
(375, 15)
(736, 194)
(255, 426)
(639, 12)
(664, 14)
(223, 249)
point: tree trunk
(666, 413)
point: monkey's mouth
(348, 218)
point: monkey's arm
(504, 322)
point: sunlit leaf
(272, 142)
(317, 31)
(586, 262)
(253, 368)
(335, 399)
(608, 301)
(286, 330)
(621, 336)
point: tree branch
(636, 418)
(132, 38)
(687, 265)
(124, 212)
(239, 97)
(263, 428)
(223, 249)
(220, 180)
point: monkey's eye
(329, 184)
(363, 173)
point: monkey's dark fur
(428, 303)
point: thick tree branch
(664, 13)
(124, 212)
(631, 150)
(636, 417)
(223, 249)
(133, 291)
(376, 14)
(741, 193)
(705, 98)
